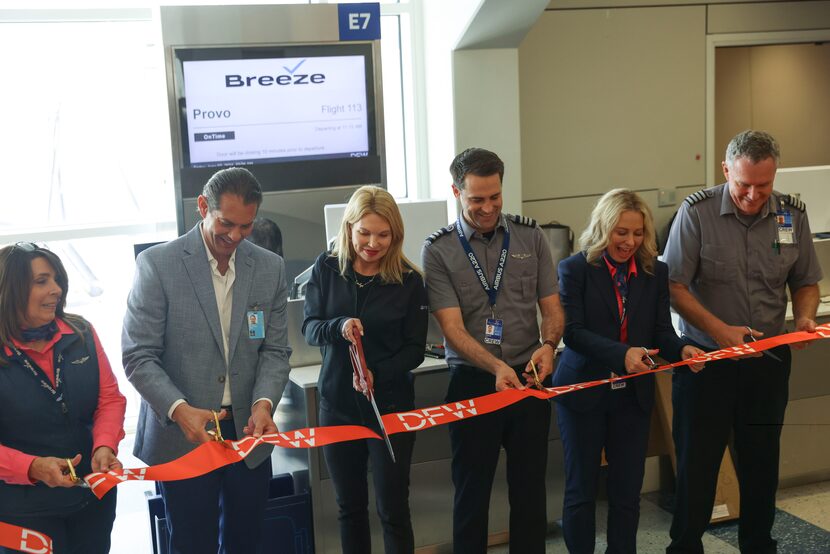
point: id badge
(256, 324)
(784, 222)
(493, 331)
(616, 385)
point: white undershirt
(223, 289)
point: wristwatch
(552, 345)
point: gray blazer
(172, 343)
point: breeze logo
(290, 77)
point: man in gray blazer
(205, 332)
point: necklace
(364, 283)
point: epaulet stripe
(523, 220)
(696, 197)
(440, 232)
(796, 203)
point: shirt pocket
(717, 264)
(526, 278)
(779, 269)
(466, 286)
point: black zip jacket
(394, 318)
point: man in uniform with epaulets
(485, 275)
(732, 251)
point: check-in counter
(805, 443)
(805, 437)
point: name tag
(618, 385)
(256, 324)
(784, 221)
(493, 331)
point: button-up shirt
(528, 276)
(734, 266)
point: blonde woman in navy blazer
(616, 299)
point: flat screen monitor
(298, 116)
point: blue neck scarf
(44, 332)
(620, 275)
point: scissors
(216, 433)
(536, 382)
(359, 367)
(764, 352)
(70, 468)
(651, 363)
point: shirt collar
(632, 266)
(214, 263)
(728, 207)
(468, 230)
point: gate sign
(359, 21)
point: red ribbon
(24, 540)
(213, 455)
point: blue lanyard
(492, 292)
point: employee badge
(784, 223)
(256, 324)
(493, 330)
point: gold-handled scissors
(217, 432)
(73, 476)
(71, 468)
(536, 382)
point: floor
(802, 525)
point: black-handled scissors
(651, 363)
(764, 352)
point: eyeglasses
(27, 246)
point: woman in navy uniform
(616, 299)
(61, 407)
(365, 286)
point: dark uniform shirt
(734, 265)
(528, 276)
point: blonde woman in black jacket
(366, 286)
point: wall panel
(612, 98)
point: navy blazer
(592, 329)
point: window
(86, 147)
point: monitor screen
(301, 116)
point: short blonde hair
(604, 219)
(373, 200)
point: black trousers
(522, 429)
(621, 427)
(219, 511)
(746, 398)
(86, 531)
(348, 464)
